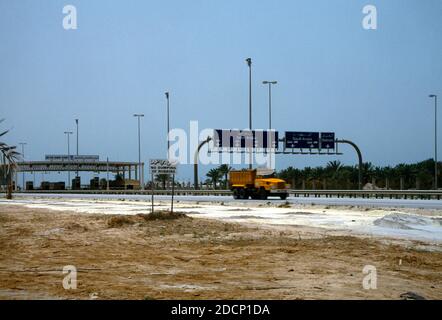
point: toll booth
(76, 183)
(95, 183)
(57, 186)
(29, 185)
(44, 185)
(86, 163)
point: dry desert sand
(134, 257)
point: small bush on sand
(163, 215)
(285, 205)
(73, 226)
(119, 221)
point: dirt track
(129, 257)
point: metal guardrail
(181, 192)
(377, 194)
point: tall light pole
(270, 100)
(249, 63)
(270, 83)
(23, 157)
(435, 139)
(68, 133)
(168, 124)
(139, 151)
(76, 122)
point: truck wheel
(242, 194)
(283, 197)
(263, 194)
(235, 194)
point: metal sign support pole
(195, 162)
(173, 191)
(152, 191)
(107, 173)
(360, 163)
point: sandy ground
(130, 257)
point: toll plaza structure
(128, 171)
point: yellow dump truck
(255, 184)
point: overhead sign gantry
(293, 142)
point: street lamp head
(138, 115)
(432, 96)
(249, 61)
(167, 94)
(269, 82)
(68, 132)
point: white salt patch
(380, 222)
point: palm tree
(8, 162)
(367, 172)
(214, 175)
(405, 172)
(163, 178)
(224, 170)
(316, 176)
(290, 175)
(346, 177)
(333, 169)
(306, 174)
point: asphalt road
(397, 203)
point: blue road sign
(301, 140)
(328, 140)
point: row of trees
(337, 176)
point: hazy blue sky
(368, 86)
